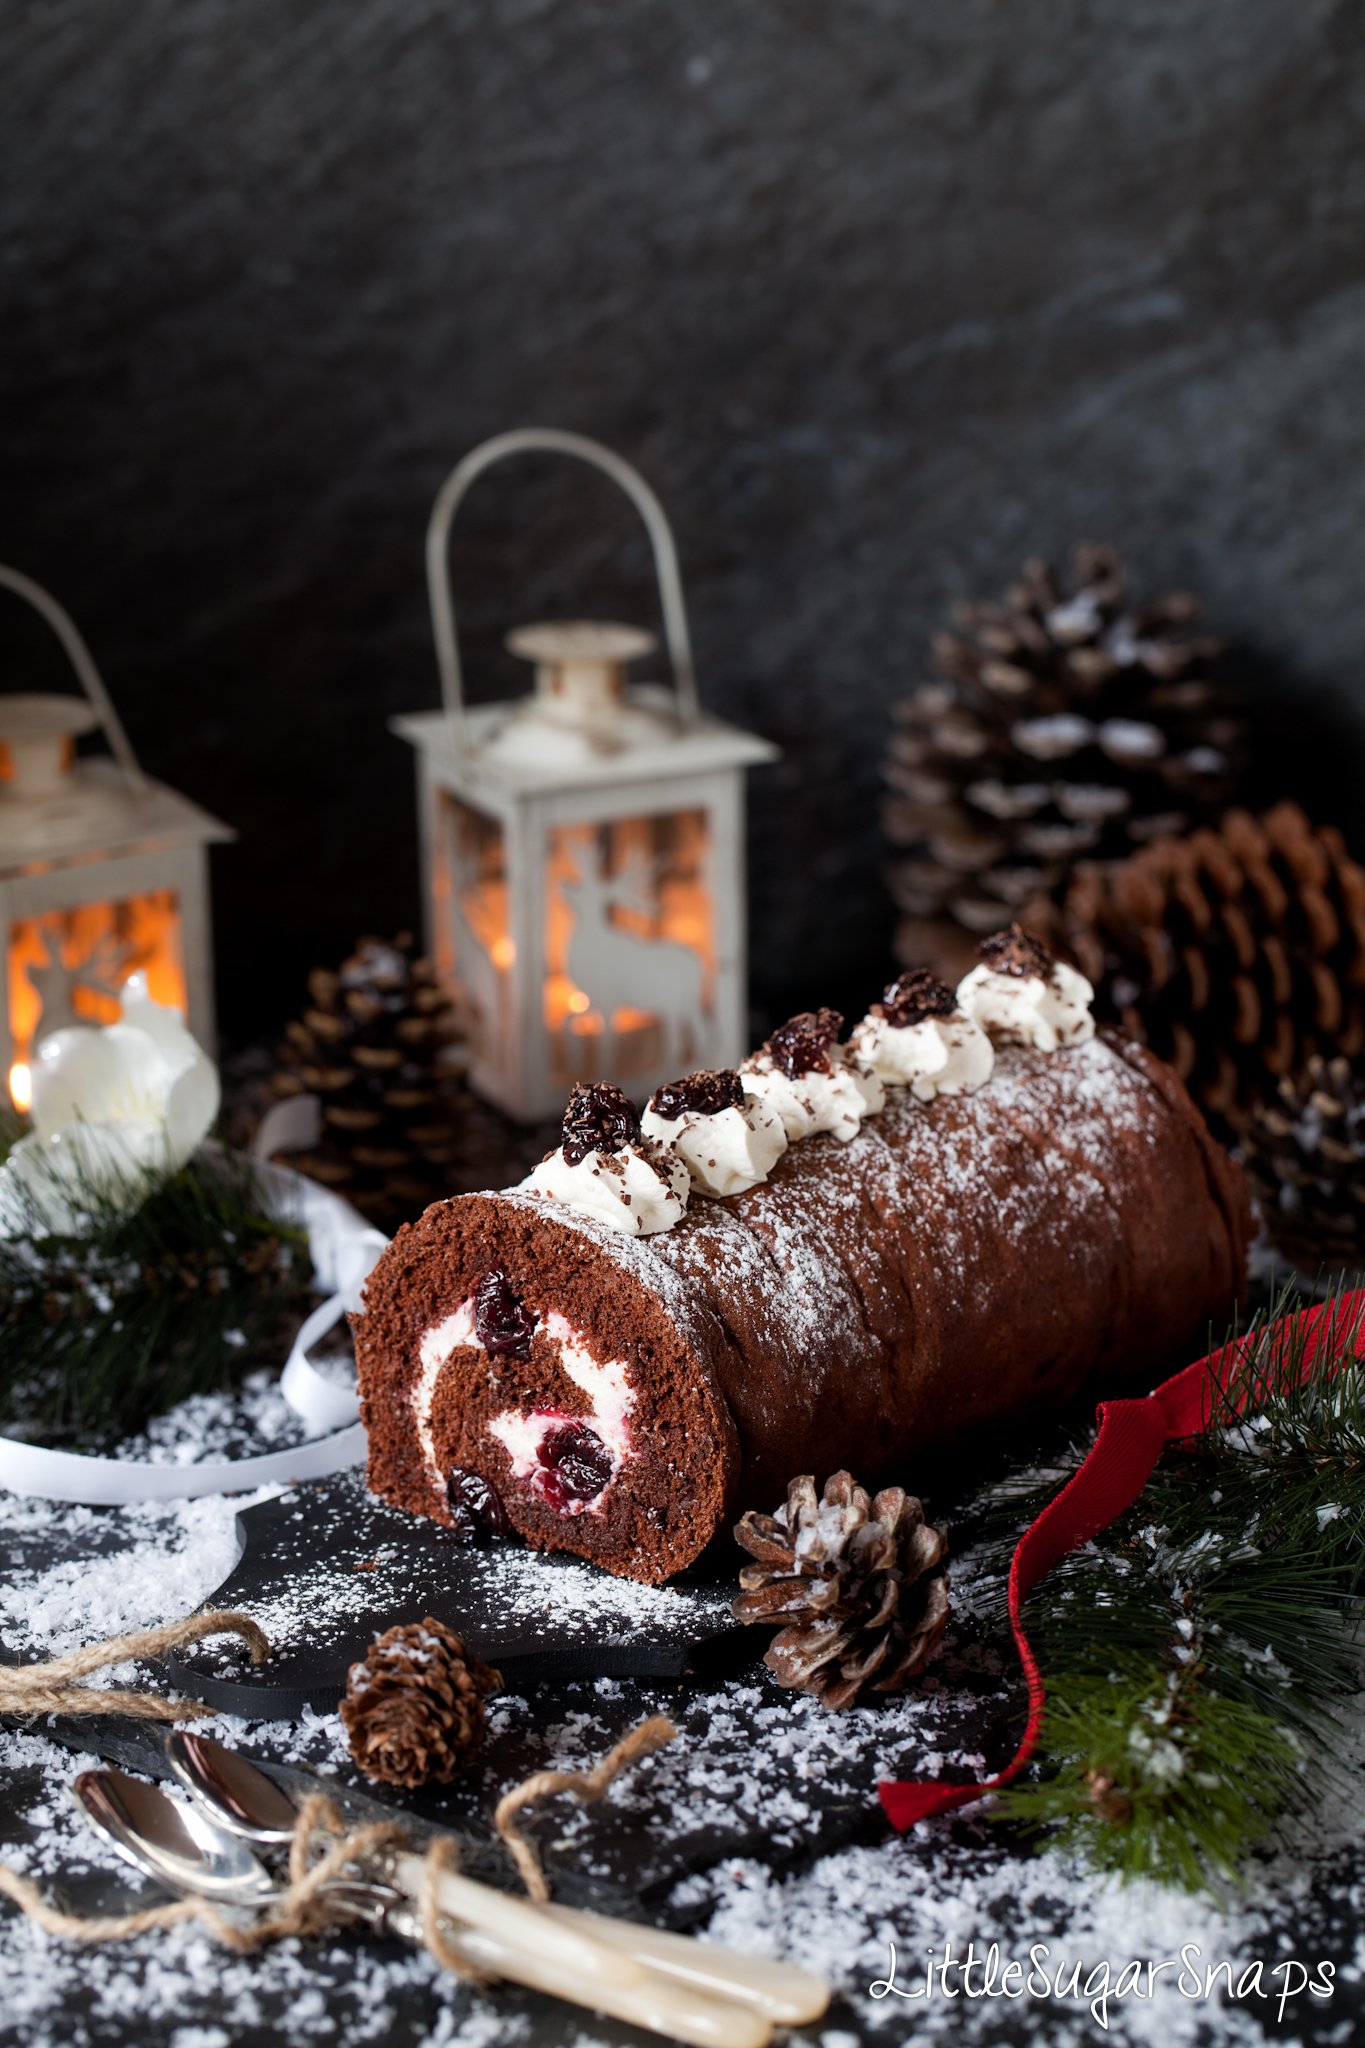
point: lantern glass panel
(474, 948)
(630, 963)
(68, 966)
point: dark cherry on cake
(802, 1045)
(1015, 951)
(705, 1093)
(503, 1323)
(962, 1261)
(575, 1464)
(913, 996)
(598, 1119)
(477, 1514)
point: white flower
(114, 1111)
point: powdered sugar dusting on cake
(1020, 1163)
(958, 1260)
(814, 1256)
(946, 1150)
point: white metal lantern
(103, 872)
(583, 848)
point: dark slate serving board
(757, 1775)
(326, 1567)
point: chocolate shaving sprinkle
(915, 995)
(598, 1119)
(1016, 952)
(705, 1093)
(802, 1044)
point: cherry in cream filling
(568, 1461)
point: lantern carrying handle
(69, 633)
(551, 440)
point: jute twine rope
(50, 1688)
(585, 1785)
(303, 1907)
(321, 1847)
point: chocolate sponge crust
(671, 1496)
(958, 1262)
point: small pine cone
(413, 1711)
(379, 1044)
(858, 1584)
(1107, 1799)
(1304, 1153)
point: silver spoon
(251, 1804)
(241, 1797)
(177, 1845)
(184, 1850)
(181, 1848)
(248, 1803)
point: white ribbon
(344, 1248)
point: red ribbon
(1132, 1436)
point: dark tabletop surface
(760, 1825)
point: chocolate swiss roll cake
(842, 1255)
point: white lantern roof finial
(581, 679)
(56, 808)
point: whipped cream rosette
(1021, 993)
(728, 1138)
(810, 1080)
(605, 1168)
(916, 1037)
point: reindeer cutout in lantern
(619, 969)
(69, 988)
(583, 849)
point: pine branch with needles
(1199, 1651)
(176, 1296)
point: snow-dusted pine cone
(857, 1582)
(413, 1710)
(1304, 1152)
(1065, 723)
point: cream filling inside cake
(561, 1457)
(435, 1350)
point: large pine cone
(1236, 954)
(1304, 1152)
(377, 1044)
(858, 1583)
(1066, 724)
(413, 1710)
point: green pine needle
(1161, 1779)
(100, 1332)
(1197, 1651)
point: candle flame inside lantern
(643, 880)
(629, 959)
(69, 966)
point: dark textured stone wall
(880, 295)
